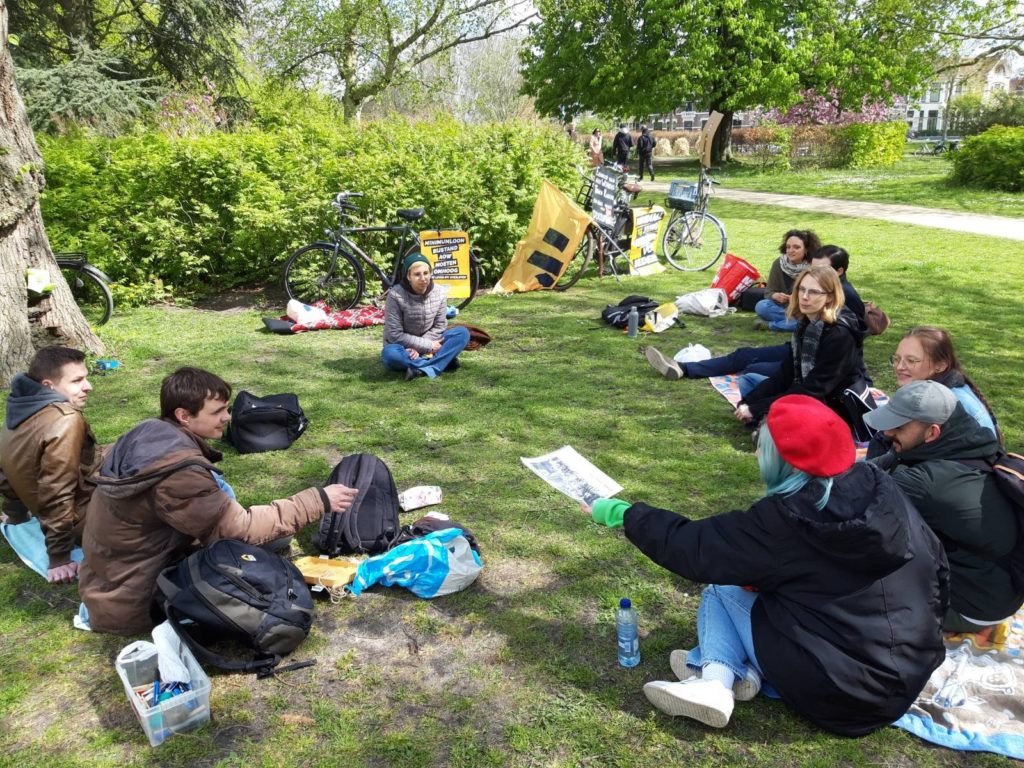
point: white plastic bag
(304, 314)
(692, 353)
(709, 302)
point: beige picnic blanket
(975, 699)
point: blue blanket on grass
(29, 543)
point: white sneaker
(743, 690)
(664, 365)
(707, 701)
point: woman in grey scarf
(797, 249)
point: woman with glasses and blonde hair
(825, 358)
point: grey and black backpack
(231, 590)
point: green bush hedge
(857, 145)
(993, 159)
(872, 144)
(202, 213)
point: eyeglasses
(812, 292)
(910, 362)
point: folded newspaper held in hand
(568, 472)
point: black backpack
(237, 591)
(1008, 471)
(371, 523)
(618, 315)
(270, 423)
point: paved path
(979, 224)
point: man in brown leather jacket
(46, 452)
(159, 496)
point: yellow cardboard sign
(448, 253)
(646, 225)
(555, 232)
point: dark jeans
(646, 162)
(763, 360)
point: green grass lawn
(520, 669)
(913, 181)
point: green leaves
(204, 213)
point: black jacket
(838, 366)
(622, 143)
(964, 506)
(847, 621)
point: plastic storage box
(174, 715)
(682, 195)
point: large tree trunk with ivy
(55, 319)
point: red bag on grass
(735, 276)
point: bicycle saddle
(411, 214)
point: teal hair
(780, 477)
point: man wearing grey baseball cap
(931, 434)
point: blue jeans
(749, 381)
(723, 630)
(775, 314)
(454, 340)
(763, 360)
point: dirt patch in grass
(236, 300)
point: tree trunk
(56, 318)
(721, 144)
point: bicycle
(604, 236)
(693, 239)
(332, 271)
(89, 286)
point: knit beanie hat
(810, 436)
(411, 259)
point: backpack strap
(262, 667)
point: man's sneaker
(666, 366)
(743, 690)
(706, 701)
(411, 373)
(760, 325)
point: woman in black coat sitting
(826, 355)
(831, 588)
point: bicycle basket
(682, 195)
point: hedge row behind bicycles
(334, 270)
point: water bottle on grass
(627, 633)
(632, 323)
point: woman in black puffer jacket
(826, 355)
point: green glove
(609, 512)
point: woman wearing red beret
(829, 591)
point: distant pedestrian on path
(645, 152)
(595, 148)
(622, 144)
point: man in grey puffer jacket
(417, 339)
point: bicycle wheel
(474, 281)
(90, 292)
(578, 263)
(693, 241)
(314, 274)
